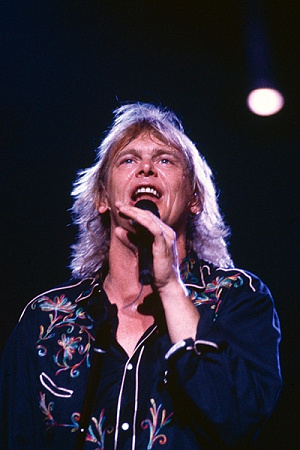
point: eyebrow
(159, 151)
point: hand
(164, 249)
(181, 316)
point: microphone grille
(148, 205)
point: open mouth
(145, 190)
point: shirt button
(125, 426)
(130, 366)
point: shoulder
(233, 277)
(65, 295)
(231, 286)
(237, 290)
(205, 281)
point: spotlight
(265, 101)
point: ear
(196, 204)
(102, 202)
(102, 208)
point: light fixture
(265, 101)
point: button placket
(128, 407)
(126, 413)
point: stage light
(265, 101)
(264, 98)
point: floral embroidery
(187, 270)
(59, 304)
(213, 290)
(47, 410)
(50, 421)
(73, 351)
(99, 436)
(154, 426)
(190, 273)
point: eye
(127, 160)
(165, 161)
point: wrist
(174, 289)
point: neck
(123, 275)
(121, 283)
(123, 266)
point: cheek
(185, 194)
(117, 183)
(183, 185)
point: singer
(184, 359)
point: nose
(146, 168)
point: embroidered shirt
(214, 392)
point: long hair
(206, 232)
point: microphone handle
(145, 241)
(145, 256)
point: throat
(131, 328)
(133, 305)
(133, 318)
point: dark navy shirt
(214, 392)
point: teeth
(147, 190)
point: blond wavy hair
(206, 232)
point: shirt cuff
(199, 346)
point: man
(188, 360)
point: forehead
(148, 142)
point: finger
(145, 218)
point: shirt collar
(191, 270)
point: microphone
(144, 244)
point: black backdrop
(66, 64)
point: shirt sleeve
(227, 381)
(18, 418)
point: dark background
(66, 64)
